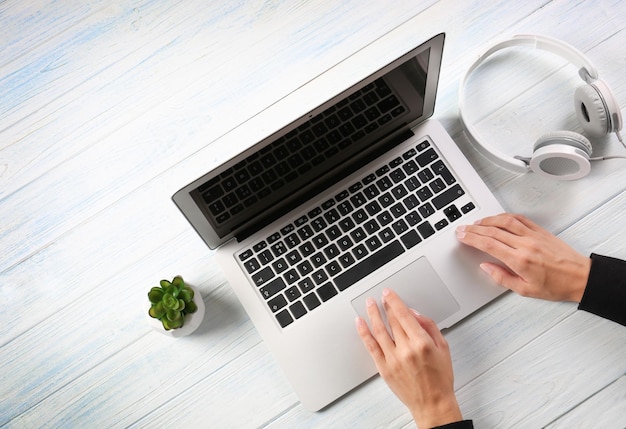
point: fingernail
(359, 322)
(478, 222)
(370, 302)
(486, 268)
(460, 231)
(417, 313)
(386, 292)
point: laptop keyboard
(368, 224)
(315, 142)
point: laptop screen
(329, 141)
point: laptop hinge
(327, 181)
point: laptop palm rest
(419, 286)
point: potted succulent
(176, 309)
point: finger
(515, 224)
(493, 241)
(370, 342)
(430, 327)
(379, 330)
(397, 330)
(504, 277)
(410, 327)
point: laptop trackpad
(420, 288)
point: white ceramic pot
(192, 320)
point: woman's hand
(414, 360)
(536, 263)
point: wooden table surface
(108, 107)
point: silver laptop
(356, 195)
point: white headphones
(564, 155)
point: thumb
(502, 276)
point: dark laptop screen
(298, 157)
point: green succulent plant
(171, 302)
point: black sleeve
(605, 293)
(465, 424)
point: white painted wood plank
(605, 409)
(549, 376)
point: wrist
(581, 279)
(437, 414)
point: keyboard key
(280, 265)
(292, 293)
(360, 216)
(371, 226)
(358, 199)
(441, 224)
(346, 260)
(265, 257)
(252, 265)
(291, 276)
(426, 157)
(319, 277)
(384, 218)
(397, 210)
(448, 196)
(277, 303)
(369, 265)
(425, 229)
(318, 260)
(426, 210)
(410, 239)
(452, 213)
(263, 276)
(318, 224)
(297, 309)
(437, 185)
(371, 192)
(468, 207)
(373, 208)
(306, 285)
(326, 291)
(386, 235)
(413, 218)
(332, 216)
(245, 254)
(305, 232)
(331, 251)
(386, 199)
(284, 318)
(344, 243)
(311, 301)
(360, 251)
(272, 288)
(259, 246)
(425, 175)
(279, 248)
(306, 249)
(305, 268)
(320, 241)
(400, 226)
(422, 146)
(399, 192)
(424, 193)
(333, 232)
(333, 268)
(373, 243)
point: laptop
(361, 193)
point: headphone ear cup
(563, 155)
(592, 111)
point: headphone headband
(586, 71)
